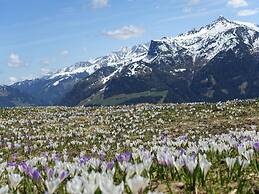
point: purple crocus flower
(120, 158)
(110, 165)
(126, 156)
(35, 175)
(63, 175)
(102, 157)
(182, 151)
(49, 172)
(84, 159)
(24, 166)
(240, 145)
(183, 137)
(256, 146)
(14, 156)
(193, 156)
(11, 164)
(245, 138)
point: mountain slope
(10, 97)
(217, 62)
(49, 90)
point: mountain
(217, 62)
(49, 90)
(10, 97)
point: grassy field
(167, 148)
(122, 98)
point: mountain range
(217, 62)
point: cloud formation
(14, 60)
(44, 71)
(64, 52)
(125, 32)
(99, 3)
(194, 2)
(248, 12)
(12, 80)
(238, 3)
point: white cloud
(248, 12)
(237, 3)
(125, 32)
(64, 52)
(194, 2)
(187, 10)
(12, 80)
(190, 5)
(45, 62)
(14, 60)
(28, 77)
(99, 3)
(45, 71)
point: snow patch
(179, 70)
(133, 69)
(108, 78)
(256, 45)
(249, 25)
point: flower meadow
(138, 149)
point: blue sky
(39, 36)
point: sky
(41, 36)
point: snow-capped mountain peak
(180, 57)
(205, 43)
(122, 56)
(74, 69)
(117, 58)
(221, 35)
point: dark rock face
(229, 76)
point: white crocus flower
(14, 180)
(10, 169)
(147, 164)
(90, 183)
(179, 163)
(241, 149)
(4, 189)
(248, 154)
(107, 187)
(75, 186)
(191, 164)
(89, 189)
(130, 172)
(52, 185)
(243, 163)
(230, 162)
(204, 164)
(137, 184)
(123, 165)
